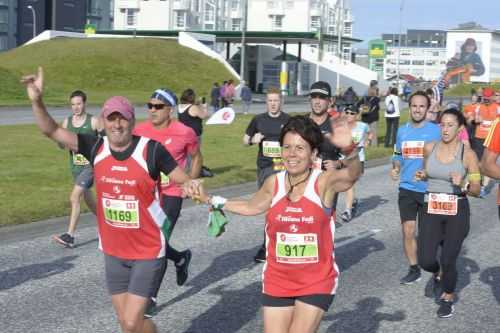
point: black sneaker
(182, 268)
(412, 277)
(261, 255)
(445, 308)
(206, 172)
(346, 216)
(151, 309)
(65, 239)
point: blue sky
(374, 17)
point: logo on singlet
(168, 141)
(119, 168)
(294, 228)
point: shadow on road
(90, 241)
(16, 276)
(352, 253)
(222, 267)
(235, 308)
(364, 318)
(369, 203)
(491, 277)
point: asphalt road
(24, 115)
(46, 288)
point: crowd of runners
(143, 172)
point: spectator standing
(370, 107)
(392, 114)
(246, 97)
(215, 97)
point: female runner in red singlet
(300, 274)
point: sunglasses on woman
(351, 113)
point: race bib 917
(296, 248)
(121, 213)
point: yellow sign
(90, 29)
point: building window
(315, 23)
(209, 13)
(180, 20)
(417, 62)
(276, 22)
(3, 42)
(290, 4)
(235, 4)
(131, 14)
(236, 24)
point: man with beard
(408, 158)
(320, 98)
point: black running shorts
(410, 202)
(322, 301)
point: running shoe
(65, 239)
(346, 216)
(261, 255)
(206, 172)
(151, 309)
(412, 277)
(445, 308)
(182, 268)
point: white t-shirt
(394, 100)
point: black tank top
(194, 122)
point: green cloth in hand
(216, 222)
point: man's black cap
(321, 88)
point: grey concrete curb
(12, 234)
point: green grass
(36, 180)
(465, 89)
(131, 67)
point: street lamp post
(243, 40)
(30, 7)
(340, 31)
(399, 41)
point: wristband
(474, 177)
(217, 202)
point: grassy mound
(465, 89)
(132, 67)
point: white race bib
(442, 204)
(296, 248)
(121, 213)
(413, 149)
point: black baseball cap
(321, 88)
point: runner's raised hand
(34, 85)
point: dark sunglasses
(351, 113)
(156, 106)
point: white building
(488, 49)
(422, 54)
(172, 15)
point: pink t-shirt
(179, 140)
